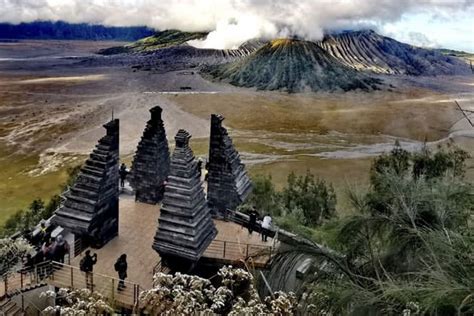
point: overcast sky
(433, 23)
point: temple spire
(185, 227)
(151, 162)
(90, 210)
(228, 182)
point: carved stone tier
(228, 184)
(185, 226)
(91, 205)
(151, 162)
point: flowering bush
(235, 295)
(182, 294)
(80, 302)
(11, 252)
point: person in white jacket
(266, 225)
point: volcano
(369, 51)
(292, 65)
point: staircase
(10, 308)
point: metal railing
(66, 276)
(235, 251)
(24, 279)
(160, 267)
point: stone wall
(228, 182)
(151, 162)
(90, 210)
(185, 227)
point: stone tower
(185, 226)
(151, 163)
(90, 210)
(228, 184)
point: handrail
(223, 249)
(68, 276)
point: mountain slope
(66, 31)
(291, 65)
(369, 51)
(159, 40)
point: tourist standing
(199, 167)
(47, 249)
(123, 174)
(266, 225)
(206, 171)
(121, 268)
(61, 248)
(87, 265)
(252, 221)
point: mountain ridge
(46, 30)
(291, 65)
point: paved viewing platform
(137, 226)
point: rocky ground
(53, 103)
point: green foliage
(164, 39)
(305, 201)
(409, 249)
(11, 252)
(313, 197)
(264, 198)
(24, 220)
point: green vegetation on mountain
(161, 39)
(292, 65)
(407, 249)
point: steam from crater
(231, 22)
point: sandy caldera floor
(52, 107)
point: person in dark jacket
(60, 249)
(121, 268)
(87, 265)
(252, 221)
(123, 174)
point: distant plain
(52, 107)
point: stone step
(96, 164)
(80, 199)
(16, 311)
(3, 302)
(10, 305)
(83, 192)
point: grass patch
(342, 173)
(18, 189)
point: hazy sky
(434, 23)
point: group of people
(87, 263)
(48, 249)
(266, 224)
(55, 249)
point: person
(87, 265)
(206, 171)
(43, 232)
(47, 249)
(266, 225)
(121, 268)
(252, 220)
(61, 248)
(123, 174)
(199, 166)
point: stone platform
(137, 228)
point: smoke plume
(230, 22)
